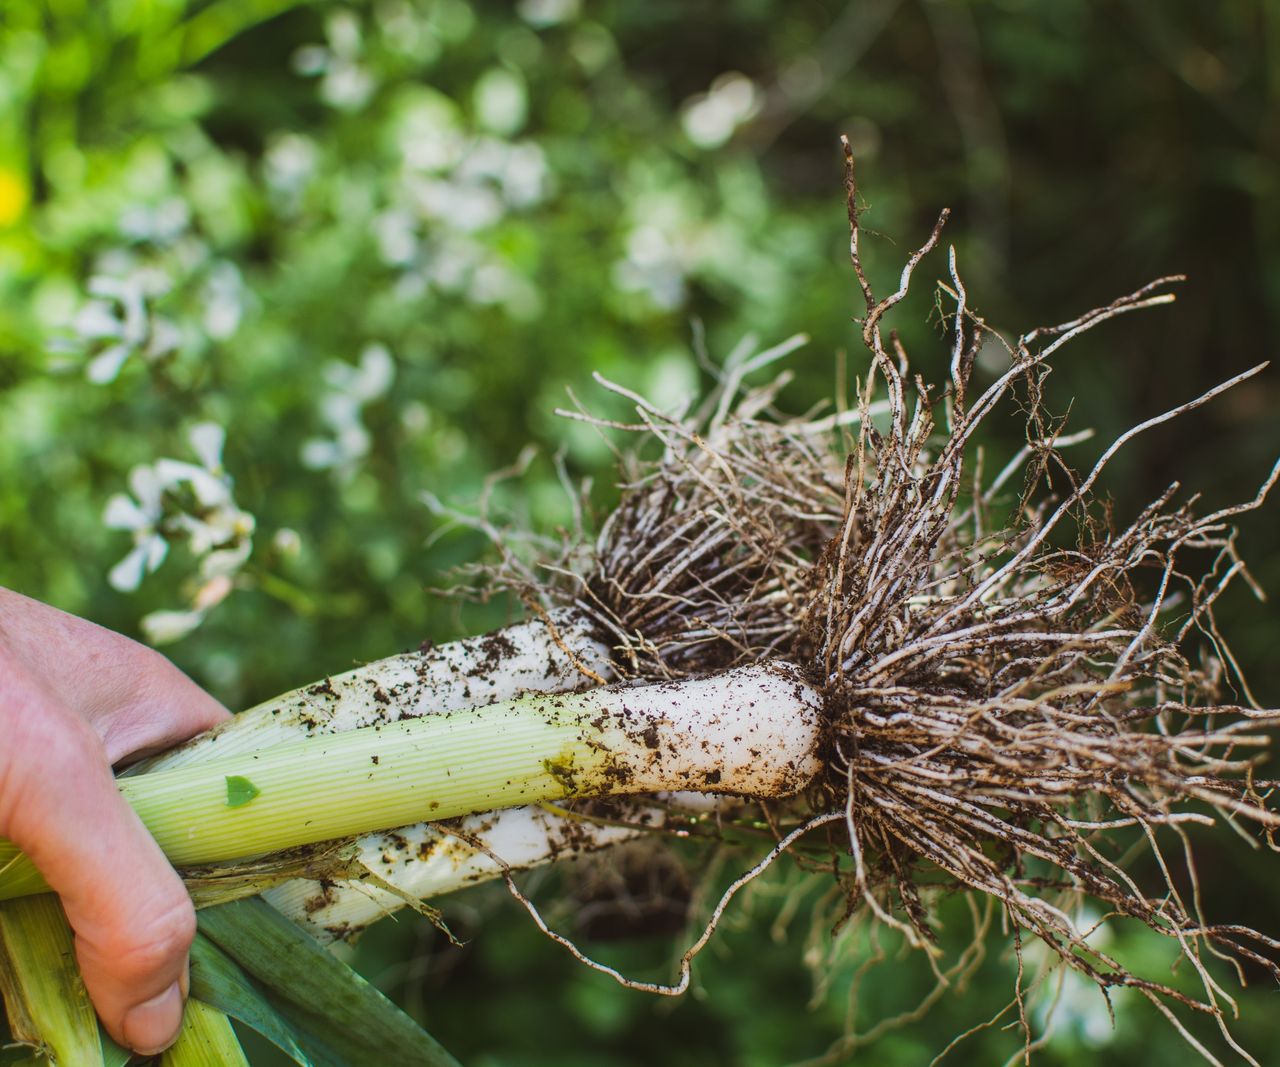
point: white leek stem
(555, 655)
(424, 862)
(558, 654)
(752, 731)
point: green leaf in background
(337, 1016)
(46, 1001)
(240, 791)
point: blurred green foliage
(373, 243)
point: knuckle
(40, 742)
(164, 705)
(155, 946)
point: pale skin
(76, 700)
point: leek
(752, 731)
(206, 1040)
(44, 997)
(555, 653)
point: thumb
(132, 918)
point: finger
(136, 699)
(132, 919)
(164, 708)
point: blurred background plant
(272, 270)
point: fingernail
(184, 980)
(153, 1025)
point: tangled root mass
(1009, 685)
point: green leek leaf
(113, 1055)
(219, 982)
(44, 996)
(337, 1015)
(206, 1040)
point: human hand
(75, 699)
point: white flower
(449, 263)
(396, 234)
(215, 590)
(219, 521)
(210, 490)
(343, 30)
(710, 119)
(164, 627)
(216, 528)
(429, 136)
(161, 223)
(654, 265)
(373, 378)
(288, 165)
(311, 59)
(200, 506)
(525, 175)
(223, 300)
(208, 481)
(141, 515)
(118, 316)
(345, 83)
(460, 205)
(208, 439)
(501, 101)
(341, 409)
(287, 541)
(542, 13)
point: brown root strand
(1013, 678)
